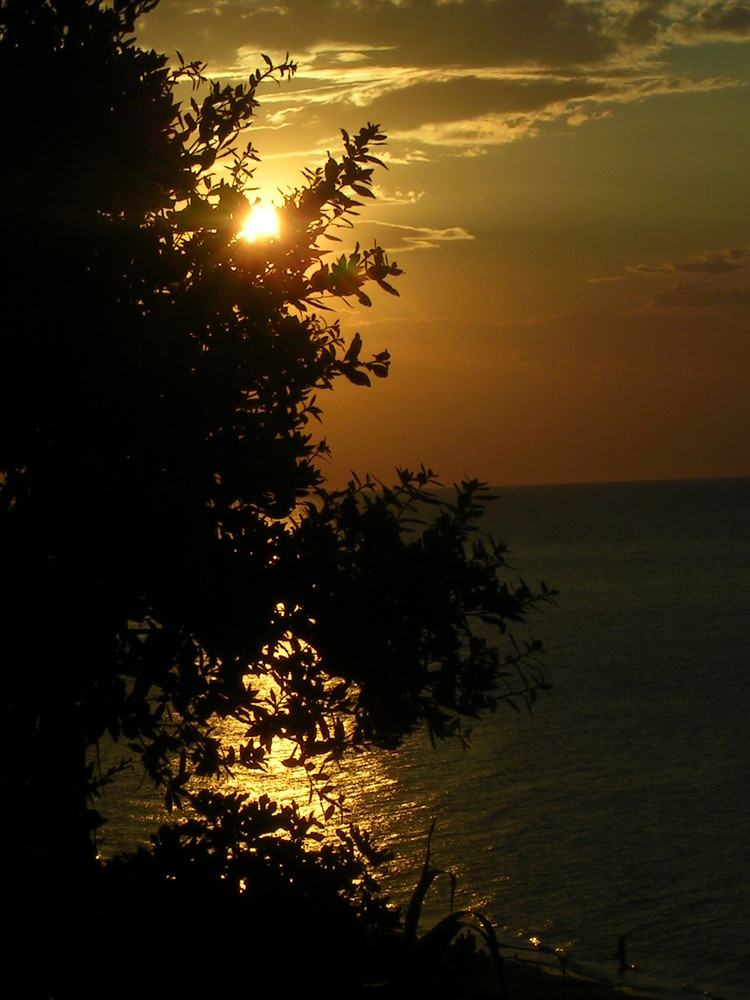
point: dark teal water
(622, 805)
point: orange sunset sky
(568, 194)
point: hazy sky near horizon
(568, 194)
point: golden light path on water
(393, 794)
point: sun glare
(261, 223)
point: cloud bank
(458, 77)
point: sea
(620, 805)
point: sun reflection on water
(391, 794)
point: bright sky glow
(568, 197)
(261, 223)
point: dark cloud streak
(418, 63)
(712, 262)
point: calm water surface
(620, 806)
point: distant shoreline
(536, 980)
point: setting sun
(262, 222)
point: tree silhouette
(169, 553)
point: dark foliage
(169, 556)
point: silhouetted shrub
(169, 554)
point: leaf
(389, 288)
(415, 904)
(357, 376)
(354, 348)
